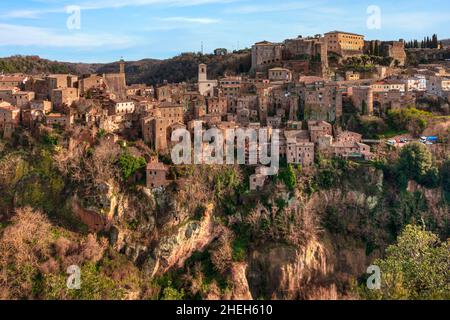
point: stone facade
(344, 44)
(362, 98)
(265, 54)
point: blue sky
(137, 29)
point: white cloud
(288, 6)
(416, 21)
(109, 4)
(18, 35)
(191, 20)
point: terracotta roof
(156, 166)
(7, 106)
(353, 34)
(13, 78)
(55, 115)
(311, 79)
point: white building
(122, 107)
(205, 86)
(389, 85)
(416, 83)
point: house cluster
(281, 92)
(296, 54)
(299, 147)
(374, 96)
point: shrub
(416, 268)
(129, 164)
(415, 161)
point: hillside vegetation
(150, 71)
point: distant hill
(446, 42)
(150, 71)
(181, 68)
(35, 65)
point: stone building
(299, 152)
(438, 85)
(348, 136)
(351, 150)
(217, 105)
(121, 107)
(10, 81)
(60, 81)
(394, 50)
(280, 74)
(390, 49)
(301, 48)
(44, 106)
(393, 100)
(389, 85)
(9, 119)
(116, 82)
(90, 82)
(170, 92)
(265, 54)
(64, 97)
(155, 127)
(345, 44)
(231, 86)
(156, 174)
(362, 98)
(318, 129)
(63, 120)
(320, 100)
(22, 99)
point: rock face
(241, 290)
(176, 248)
(93, 220)
(286, 272)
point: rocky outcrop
(286, 272)
(241, 290)
(174, 249)
(93, 220)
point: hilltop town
(345, 109)
(291, 86)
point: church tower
(202, 72)
(122, 66)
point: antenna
(202, 47)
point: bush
(416, 268)
(411, 119)
(289, 177)
(129, 165)
(415, 161)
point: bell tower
(202, 72)
(122, 66)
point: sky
(106, 30)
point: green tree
(129, 164)
(289, 177)
(171, 293)
(416, 268)
(445, 178)
(415, 161)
